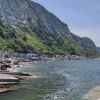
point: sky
(82, 16)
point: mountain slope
(28, 27)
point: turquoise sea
(57, 80)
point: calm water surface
(58, 80)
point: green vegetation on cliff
(38, 40)
(29, 27)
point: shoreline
(93, 94)
(10, 78)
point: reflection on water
(59, 80)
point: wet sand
(93, 94)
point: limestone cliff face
(47, 27)
(84, 42)
(14, 12)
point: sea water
(57, 80)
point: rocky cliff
(29, 24)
